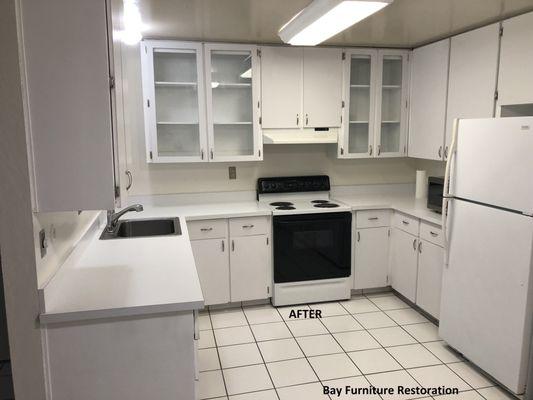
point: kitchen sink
(132, 228)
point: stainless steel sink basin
(131, 228)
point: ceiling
(405, 23)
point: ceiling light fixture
(323, 19)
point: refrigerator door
(494, 161)
(486, 306)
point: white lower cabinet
(371, 261)
(249, 261)
(430, 264)
(233, 258)
(404, 263)
(212, 263)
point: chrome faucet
(112, 216)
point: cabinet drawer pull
(358, 236)
(414, 245)
(206, 229)
(434, 234)
(297, 119)
(373, 218)
(248, 226)
(405, 222)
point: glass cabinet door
(232, 102)
(359, 105)
(391, 103)
(174, 101)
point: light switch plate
(232, 172)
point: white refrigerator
(487, 291)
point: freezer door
(494, 162)
(486, 309)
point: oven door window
(312, 246)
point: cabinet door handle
(440, 152)
(370, 150)
(446, 152)
(206, 229)
(420, 247)
(307, 119)
(232, 245)
(414, 245)
(202, 154)
(379, 149)
(434, 234)
(130, 179)
(373, 218)
(211, 154)
(297, 119)
(223, 247)
(405, 222)
(342, 151)
(248, 226)
(358, 236)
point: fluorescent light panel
(323, 19)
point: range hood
(300, 136)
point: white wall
(278, 159)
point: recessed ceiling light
(323, 19)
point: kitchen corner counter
(123, 277)
(406, 204)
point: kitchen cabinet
(300, 87)
(429, 281)
(281, 87)
(174, 101)
(250, 264)
(232, 83)
(429, 85)
(404, 263)
(515, 81)
(375, 104)
(322, 81)
(69, 102)
(212, 263)
(371, 259)
(472, 76)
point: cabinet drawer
(431, 233)
(207, 229)
(406, 223)
(248, 226)
(372, 218)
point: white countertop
(403, 203)
(141, 276)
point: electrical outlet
(232, 172)
(43, 242)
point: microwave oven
(435, 190)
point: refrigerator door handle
(446, 192)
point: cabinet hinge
(343, 55)
(501, 30)
(151, 155)
(111, 82)
(268, 289)
(148, 102)
(496, 95)
(258, 52)
(267, 240)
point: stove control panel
(288, 184)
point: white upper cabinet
(472, 76)
(174, 101)
(232, 84)
(300, 88)
(375, 103)
(391, 103)
(69, 104)
(357, 137)
(429, 85)
(322, 82)
(515, 82)
(281, 87)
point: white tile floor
(259, 353)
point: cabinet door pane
(391, 103)
(359, 128)
(176, 98)
(231, 86)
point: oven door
(312, 246)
